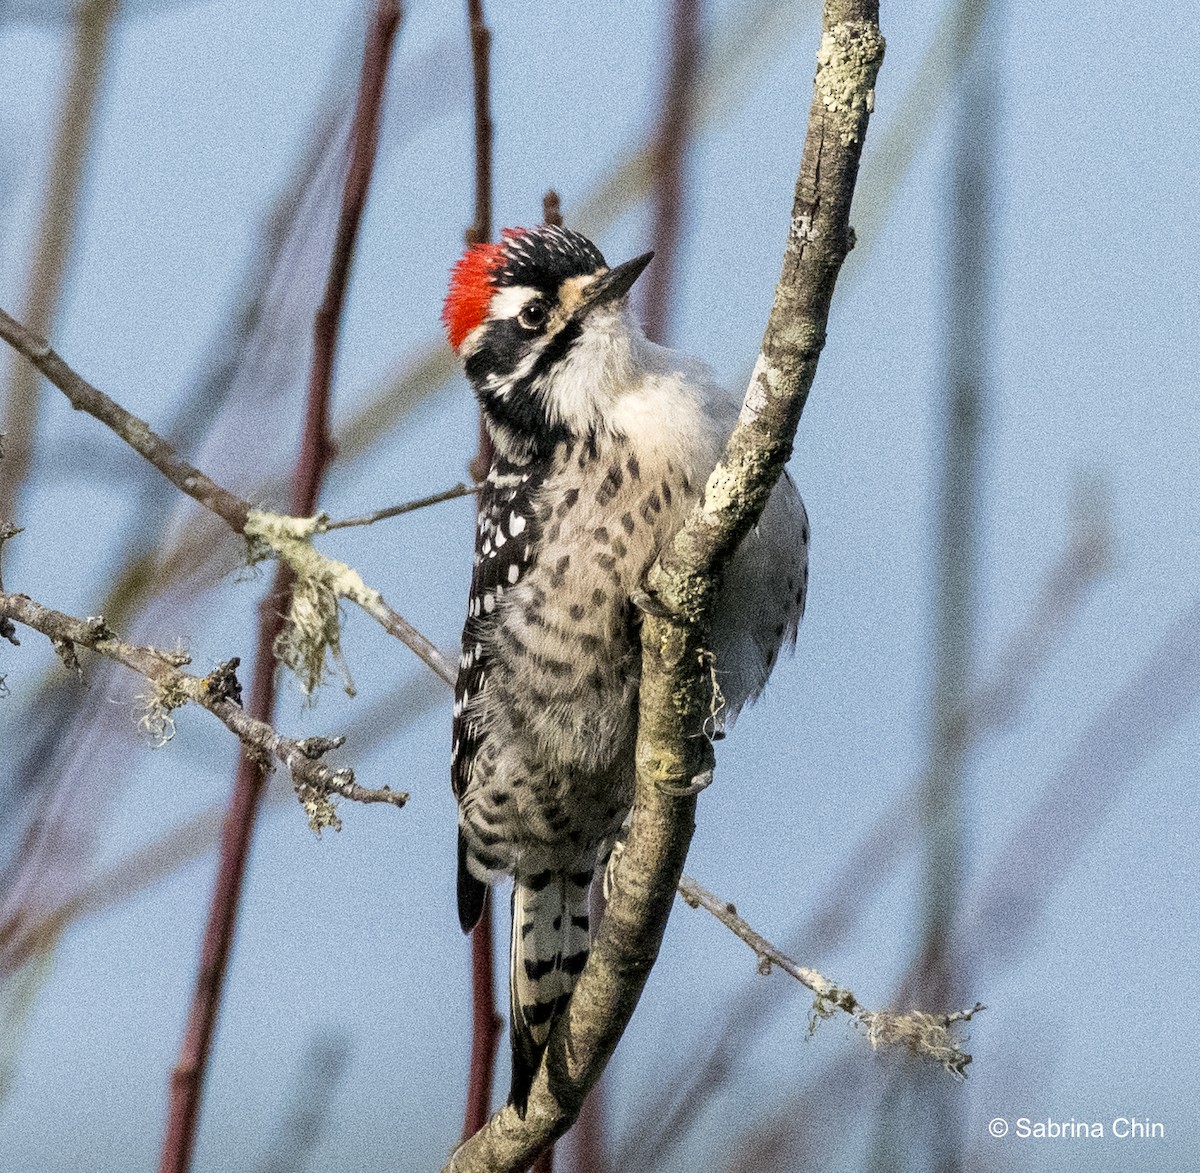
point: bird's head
(539, 321)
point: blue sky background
(205, 107)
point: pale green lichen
(158, 705)
(731, 485)
(801, 231)
(847, 62)
(932, 1036)
(714, 723)
(321, 812)
(724, 488)
(312, 631)
(277, 535)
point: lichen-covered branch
(673, 756)
(819, 238)
(321, 581)
(219, 692)
(313, 624)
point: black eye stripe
(503, 345)
(513, 404)
(556, 348)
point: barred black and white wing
(504, 542)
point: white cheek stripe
(510, 301)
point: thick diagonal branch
(675, 691)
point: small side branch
(930, 1036)
(459, 490)
(219, 692)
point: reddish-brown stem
(327, 324)
(481, 46)
(316, 450)
(670, 153)
(187, 1079)
(481, 227)
(485, 1022)
(485, 1026)
(552, 209)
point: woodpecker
(602, 441)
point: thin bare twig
(926, 1035)
(316, 450)
(672, 141)
(459, 490)
(286, 538)
(135, 432)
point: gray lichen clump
(847, 62)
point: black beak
(614, 284)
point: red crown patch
(472, 283)
(471, 290)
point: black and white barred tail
(550, 942)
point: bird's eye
(533, 316)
